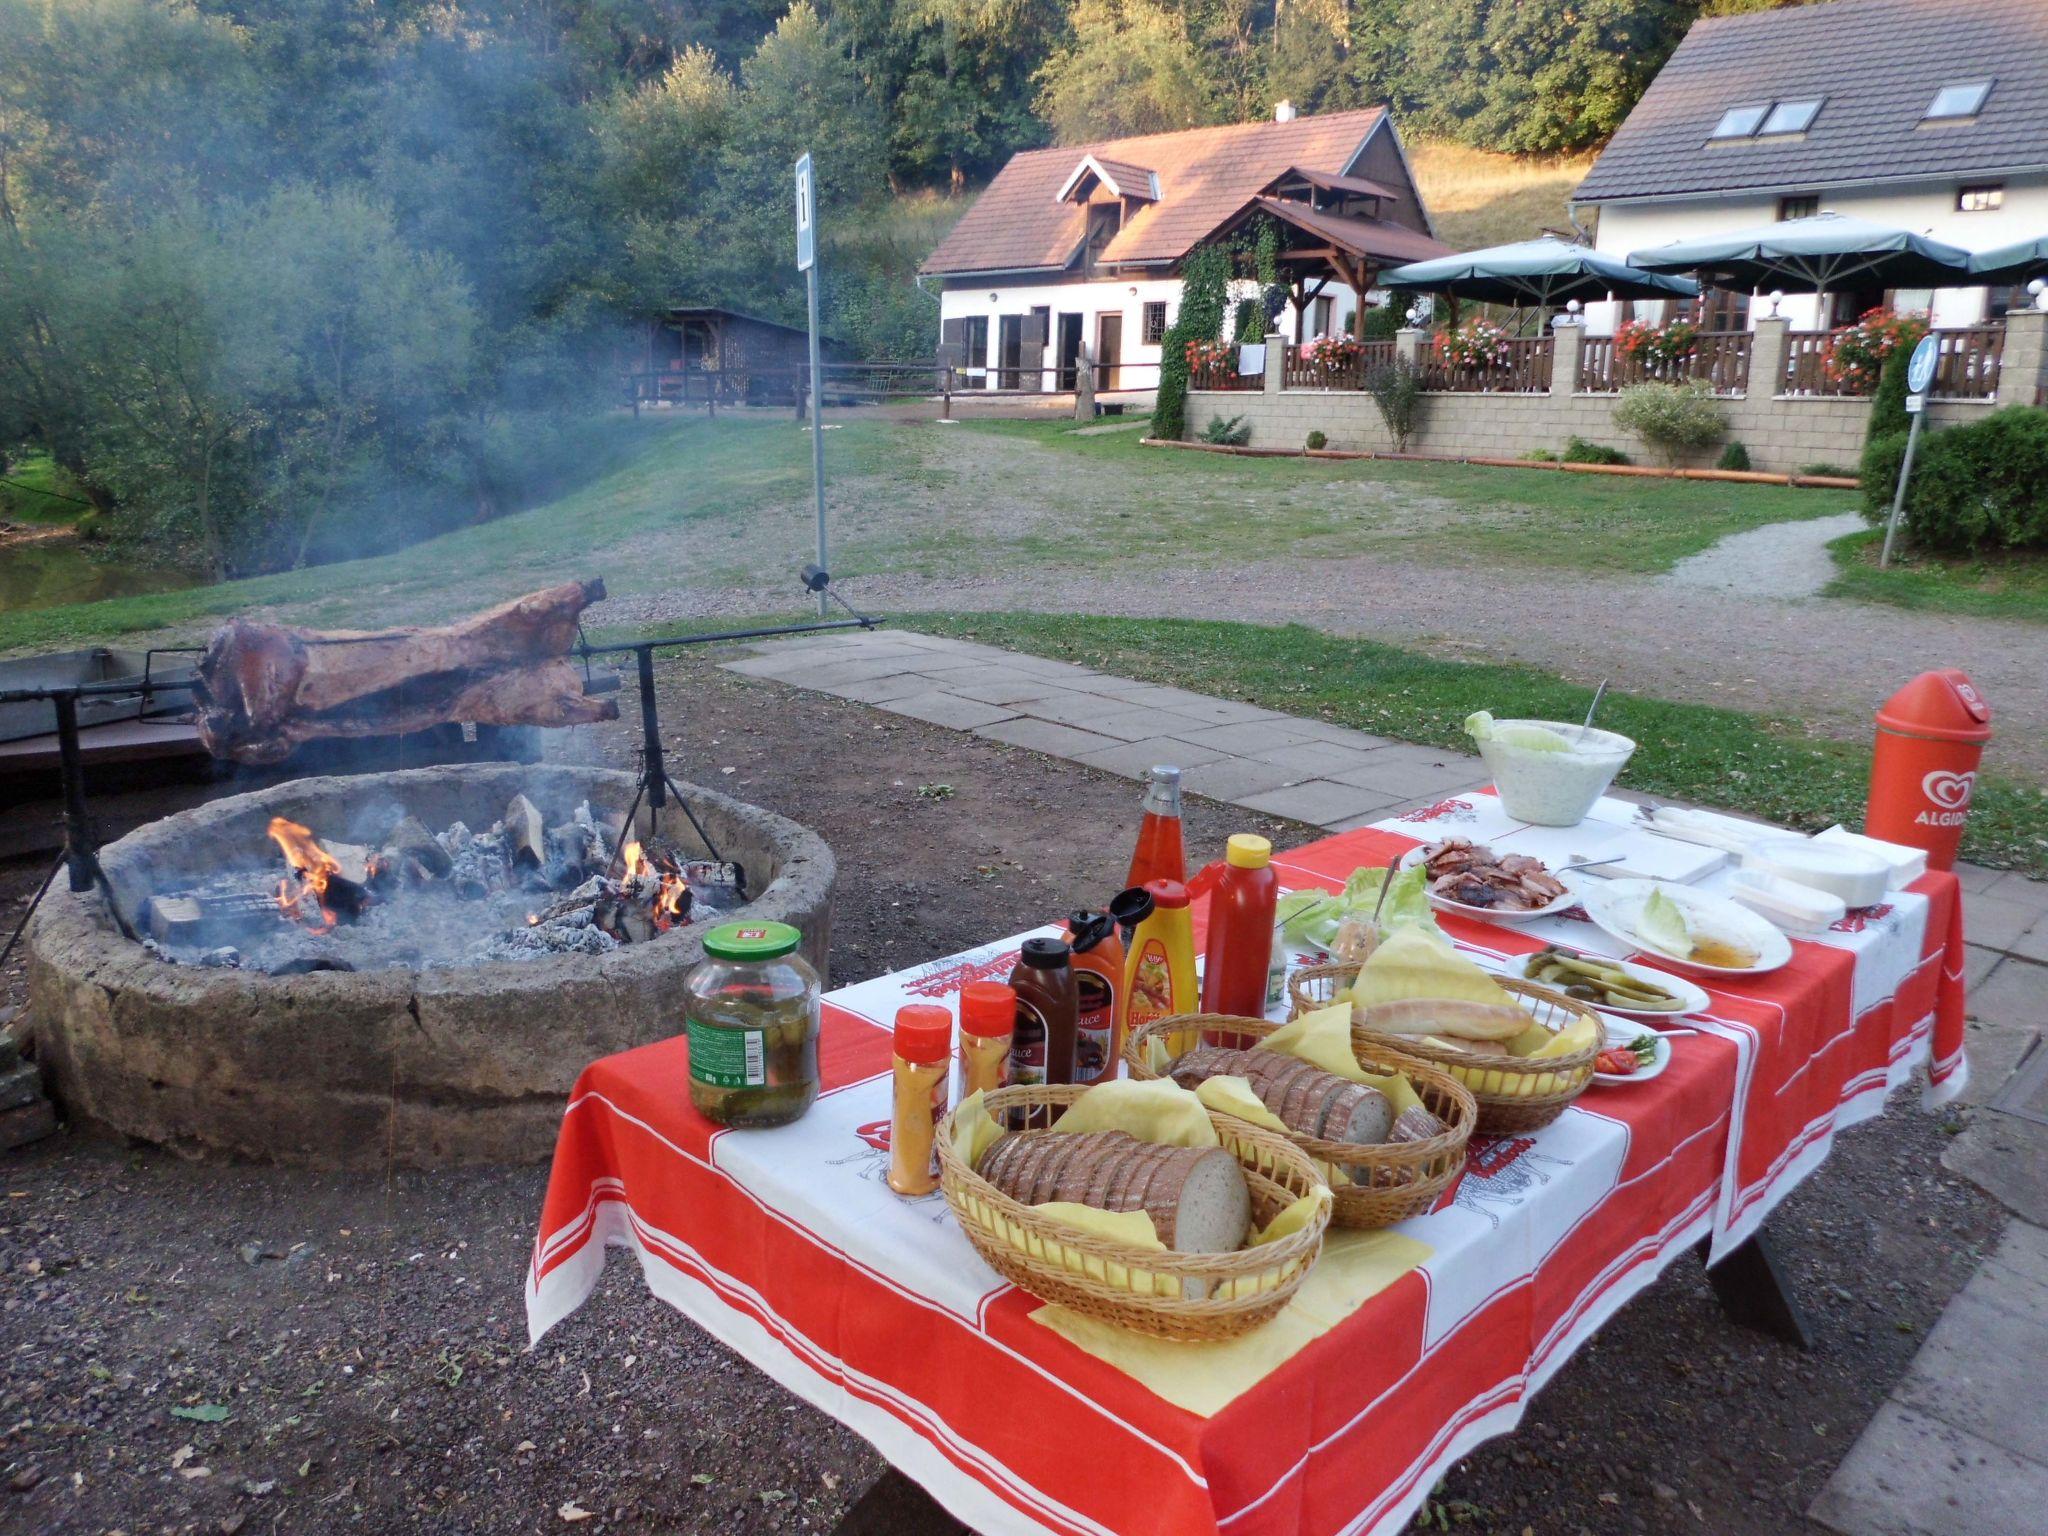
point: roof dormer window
(1739, 122)
(1957, 103)
(1790, 117)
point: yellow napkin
(1162, 1112)
(1234, 1096)
(1420, 962)
(974, 1130)
(1205, 1378)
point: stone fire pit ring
(371, 1069)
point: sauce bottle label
(1095, 1022)
(1027, 1047)
(1151, 986)
(727, 1058)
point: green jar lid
(751, 941)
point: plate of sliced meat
(1472, 879)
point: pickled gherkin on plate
(1598, 982)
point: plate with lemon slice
(1709, 935)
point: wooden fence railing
(1968, 362)
(1719, 357)
(1224, 375)
(1346, 370)
(1525, 370)
(1967, 366)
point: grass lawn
(1479, 197)
(1718, 757)
(2011, 587)
(712, 507)
(34, 490)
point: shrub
(1577, 450)
(1250, 324)
(1836, 471)
(1234, 433)
(1383, 320)
(1317, 441)
(1673, 419)
(1540, 456)
(1888, 409)
(1205, 284)
(1734, 457)
(1396, 388)
(1976, 489)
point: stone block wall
(1783, 433)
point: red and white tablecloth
(787, 1245)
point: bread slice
(1416, 1124)
(1305, 1097)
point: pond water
(47, 573)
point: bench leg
(1753, 1293)
(895, 1506)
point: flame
(313, 865)
(636, 860)
(674, 892)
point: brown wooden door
(1109, 349)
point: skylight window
(1738, 122)
(1791, 117)
(1956, 101)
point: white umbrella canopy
(1815, 255)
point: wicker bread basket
(1515, 1093)
(1208, 1295)
(1375, 1186)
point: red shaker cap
(988, 1008)
(924, 1032)
(1943, 705)
(1167, 893)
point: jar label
(728, 1058)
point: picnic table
(1406, 1349)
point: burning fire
(314, 866)
(672, 900)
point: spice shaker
(924, 1046)
(988, 1017)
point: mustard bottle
(1159, 963)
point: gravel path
(1825, 661)
(1781, 560)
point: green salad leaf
(1310, 919)
(1661, 925)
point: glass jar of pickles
(751, 1011)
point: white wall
(997, 297)
(1928, 209)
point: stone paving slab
(1047, 736)
(1911, 1475)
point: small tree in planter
(1396, 388)
(1672, 419)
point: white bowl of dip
(1555, 789)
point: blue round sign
(1920, 367)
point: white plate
(1692, 998)
(1619, 1033)
(1563, 903)
(1614, 906)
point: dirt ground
(365, 1336)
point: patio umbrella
(1542, 272)
(2012, 263)
(1814, 255)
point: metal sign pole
(1919, 376)
(807, 263)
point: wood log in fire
(265, 688)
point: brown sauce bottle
(1048, 1012)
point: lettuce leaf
(1310, 919)
(1661, 925)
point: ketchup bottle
(1161, 853)
(1241, 914)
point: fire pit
(390, 969)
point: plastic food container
(1789, 905)
(1555, 789)
(1857, 876)
(751, 1009)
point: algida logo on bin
(1949, 793)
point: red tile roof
(1205, 175)
(1385, 243)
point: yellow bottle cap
(1247, 850)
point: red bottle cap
(988, 1008)
(1167, 893)
(924, 1032)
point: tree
(1130, 69)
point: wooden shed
(695, 353)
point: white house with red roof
(1075, 252)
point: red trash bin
(1930, 736)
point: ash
(457, 897)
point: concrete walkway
(1962, 1446)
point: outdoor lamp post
(2039, 289)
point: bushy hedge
(1673, 419)
(1580, 450)
(1976, 489)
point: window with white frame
(1957, 103)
